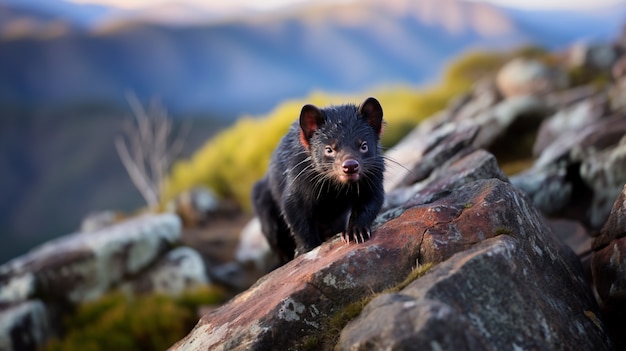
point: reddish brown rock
(608, 262)
(608, 268)
(502, 294)
(294, 303)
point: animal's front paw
(356, 233)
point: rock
(484, 293)
(253, 247)
(523, 76)
(593, 56)
(98, 220)
(570, 119)
(549, 188)
(459, 170)
(481, 98)
(576, 174)
(179, 270)
(441, 147)
(24, 326)
(497, 121)
(573, 234)
(608, 261)
(194, 205)
(408, 162)
(608, 268)
(292, 305)
(405, 323)
(605, 173)
(83, 266)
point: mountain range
(65, 69)
(230, 65)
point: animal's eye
(364, 147)
(329, 150)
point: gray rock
(571, 119)
(24, 326)
(524, 76)
(580, 173)
(404, 157)
(97, 220)
(495, 122)
(481, 98)
(253, 247)
(179, 270)
(441, 146)
(503, 294)
(605, 174)
(405, 323)
(454, 173)
(83, 266)
(549, 188)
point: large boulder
(136, 256)
(83, 266)
(502, 294)
(291, 307)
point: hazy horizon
(275, 4)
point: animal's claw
(356, 233)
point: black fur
(325, 177)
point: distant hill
(249, 63)
(65, 69)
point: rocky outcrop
(83, 266)
(292, 307)
(479, 299)
(136, 256)
(503, 279)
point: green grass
(117, 322)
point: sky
(271, 4)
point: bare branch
(138, 178)
(148, 152)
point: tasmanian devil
(325, 177)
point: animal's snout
(350, 166)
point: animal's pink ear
(311, 119)
(372, 112)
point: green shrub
(117, 322)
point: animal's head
(343, 141)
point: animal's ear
(372, 112)
(311, 119)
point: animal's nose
(350, 166)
